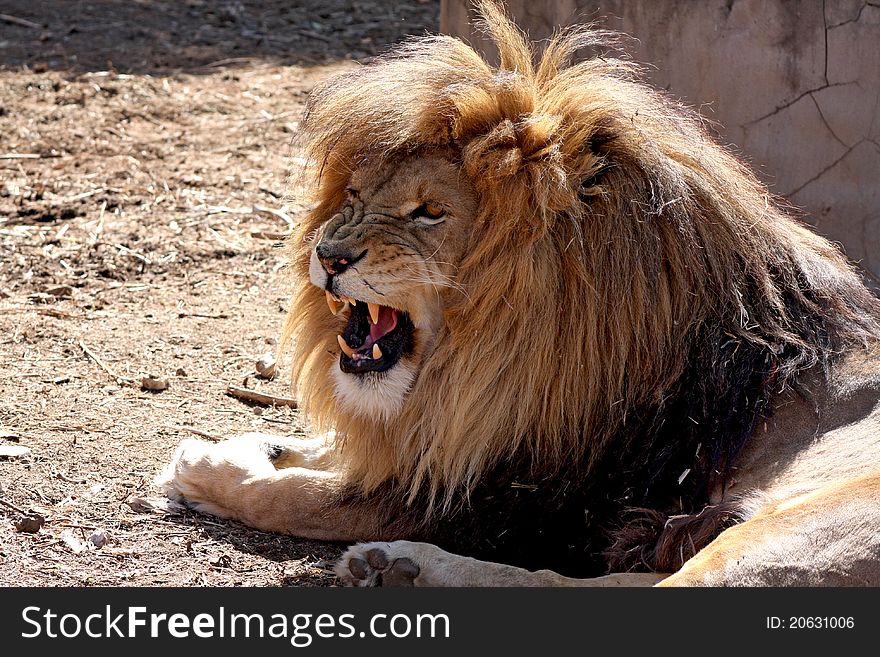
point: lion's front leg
(405, 563)
(238, 479)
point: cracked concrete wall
(793, 85)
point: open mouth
(375, 338)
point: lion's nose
(334, 260)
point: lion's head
(384, 260)
(516, 258)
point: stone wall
(793, 85)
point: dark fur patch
(653, 541)
(578, 520)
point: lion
(557, 335)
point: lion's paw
(378, 564)
(207, 476)
(398, 563)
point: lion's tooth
(344, 346)
(374, 312)
(377, 353)
(352, 301)
(333, 304)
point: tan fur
(521, 135)
(827, 537)
(672, 234)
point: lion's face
(388, 259)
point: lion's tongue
(387, 322)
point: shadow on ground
(163, 36)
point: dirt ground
(144, 151)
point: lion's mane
(632, 290)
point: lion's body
(577, 334)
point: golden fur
(669, 238)
(624, 352)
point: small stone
(30, 523)
(180, 372)
(140, 505)
(154, 383)
(61, 292)
(266, 366)
(98, 538)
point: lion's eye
(429, 213)
(351, 191)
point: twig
(15, 20)
(230, 60)
(44, 311)
(68, 480)
(286, 218)
(146, 118)
(271, 192)
(269, 235)
(204, 315)
(134, 254)
(20, 156)
(12, 506)
(197, 432)
(314, 35)
(78, 197)
(224, 209)
(260, 398)
(88, 352)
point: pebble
(266, 366)
(98, 538)
(154, 383)
(30, 523)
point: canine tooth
(374, 312)
(353, 301)
(344, 346)
(377, 353)
(333, 304)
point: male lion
(568, 331)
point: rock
(266, 366)
(140, 505)
(154, 383)
(61, 292)
(30, 523)
(98, 538)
